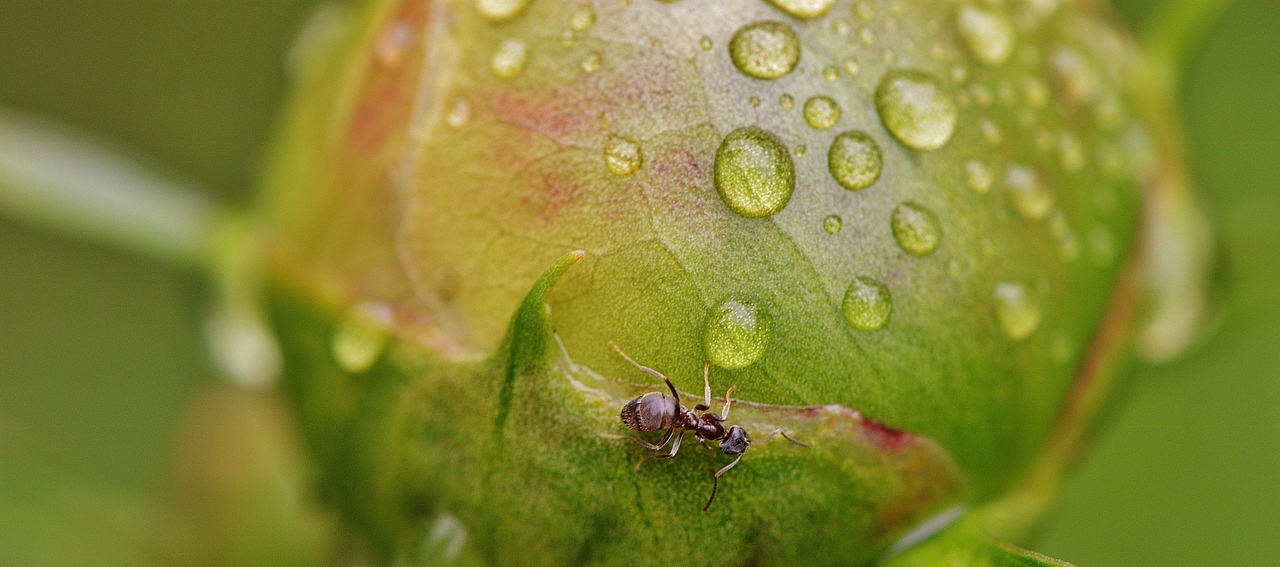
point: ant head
(736, 442)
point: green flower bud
(999, 177)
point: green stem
(1174, 29)
(55, 178)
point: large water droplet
(821, 112)
(915, 228)
(361, 336)
(804, 9)
(854, 160)
(500, 10)
(510, 58)
(832, 224)
(754, 173)
(916, 110)
(1027, 192)
(1016, 312)
(987, 34)
(867, 304)
(736, 334)
(622, 156)
(765, 50)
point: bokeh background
(101, 351)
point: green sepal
(966, 544)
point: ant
(656, 411)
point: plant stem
(61, 180)
(1173, 30)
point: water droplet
(990, 132)
(851, 67)
(500, 10)
(1068, 243)
(864, 11)
(867, 37)
(754, 173)
(1060, 350)
(1071, 155)
(591, 63)
(854, 160)
(1075, 76)
(986, 34)
(459, 114)
(1028, 194)
(915, 228)
(978, 177)
(361, 336)
(804, 9)
(867, 304)
(786, 101)
(832, 224)
(765, 50)
(393, 44)
(1016, 312)
(622, 156)
(582, 19)
(801, 149)
(736, 334)
(831, 74)
(821, 112)
(510, 58)
(705, 43)
(754, 101)
(916, 110)
(1102, 246)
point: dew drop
(765, 50)
(978, 177)
(915, 228)
(754, 101)
(801, 150)
(867, 304)
(591, 63)
(821, 112)
(500, 10)
(915, 109)
(1068, 243)
(786, 101)
(459, 114)
(705, 43)
(1075, 76)
(736, 334)
(1027, 192)
(831, 74)
(855, 160)
(832, 224)
(754, 173)
(510, 58)
(987, 35)
(1071, 153)
(1016, 312)
(804, 9)
(361, 336)
(582, 19)
(622, 156)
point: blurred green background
(100, 351)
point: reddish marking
(386, 100)
(885, 437)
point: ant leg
(784, 435)
(706, 392)
(727, 401)
(641, 440)
(675, 446)
(715, 482)
(647, 370)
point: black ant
(656, 411)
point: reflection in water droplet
(915, 228)
(361, 336)
(754, 173)
(916, 110)
(582, 19)
(1016, 312)
(867, 304)
(804, 9)
(500, 10)
(622, 156)
(978, 177)
(832, 224)
(854, 160)
(987, 35)
(821, 112)
(510, 58)
(736, 334)
(765, 50)
(1027, 192)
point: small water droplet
(841, 26)
(978, 177)
(916, 110)
(821, 112)
(393, 44)
(459, 114)
(1068, 243)
(622, 156)
(800, 150)
(754, 101)
(986, 34)
(786, 101)
(754, 173)
(831, 74)
(500, 10)
(864, 11)
(1060, 350)
(851, 67)
(1027, 192)
(582, 19)
(1102, 246)
(867, 37)
(990, 132)
(765, 50)
(361, 336)
(1076, 78)
(510, 58)
(915, 228)
(855, 160)
(591, 63)
(867, 304)
(1016, 312)
(804, 9)
(736, 334)
(705, 43)
(1071, 154)
(832, 224)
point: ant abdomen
(651, 412)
